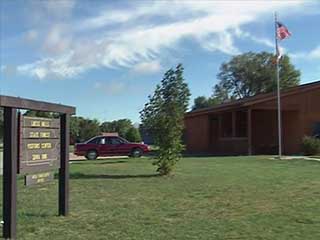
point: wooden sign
(38, 178)
(39, 144)
(29, 143)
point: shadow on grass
(107, 176)
(96, 162)
(29, 214)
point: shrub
(310, 145)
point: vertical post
(233, 124)
(249, 131)
(10, 173)
(278, 89)
(219, 126)
(64, 166)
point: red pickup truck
(109, 146)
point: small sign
(39, 144)
(38, 178)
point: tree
(163, 116)
(89, 128)
(251, 73)
(121, 126)
(203, 102)
(133, 135)
(75, 129)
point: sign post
(64, 167)
(10, 173)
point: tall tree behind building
(247, 75)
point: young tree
(251, 73)
(163, 117)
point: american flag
(282, 31)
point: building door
(214, 134)
(291, 132)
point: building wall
(300, 114)
(197, 134)
(264, 131)
(202, 137)
(231, 146)
(311, 113)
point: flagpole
(278, 90)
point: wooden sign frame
(10, 156)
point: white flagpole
(278, 90)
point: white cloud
(313, 54)
(147, 67)
(58, 40)
(133, 43)
(264, 41)
(111, 88)
(223, 42)
(52, 68)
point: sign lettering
(34, 179)
(39, 144)
(35, 123)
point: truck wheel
(91, 155)
(136, 153)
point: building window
(226, 125)
(316, 130)
(241, 124)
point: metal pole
(10, 155)
(278, 91)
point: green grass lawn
(207, 198)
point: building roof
(260, 98)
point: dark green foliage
(203, 102)
(124, 128)
(310, 145)
(133, 135)
(251, 73)
(31, 113)
(75, 129)
(82, 129)
(163, 117)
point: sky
(106, 57)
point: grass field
(207, 198)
